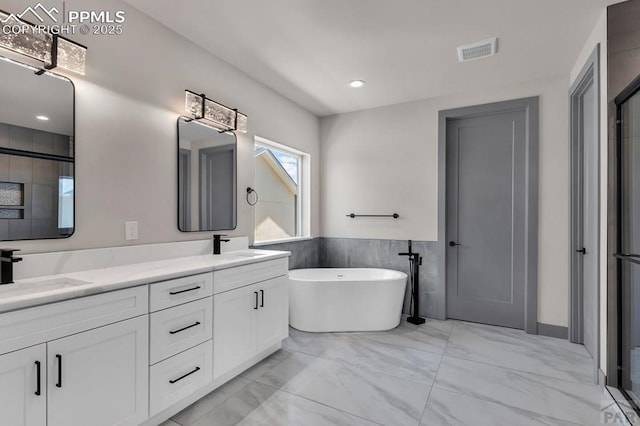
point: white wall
(386, 159)
(126, 111)
(599, 35)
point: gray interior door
(585, 208)
(486, 218)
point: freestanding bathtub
(349, 299)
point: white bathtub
(350, 299)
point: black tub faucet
(7, 260)
(415, 260)
(217, 239)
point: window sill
(284, 240)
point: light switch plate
(131, 231)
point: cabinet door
(273, 313)
(23, 398)
(100, 377)
(234, 333)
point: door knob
(453, 244)
(583, 251)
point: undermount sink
(247, 254)
(34, 286)
(242, 254)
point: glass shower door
(629, 243)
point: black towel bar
(353, 215)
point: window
(65, 203)
(278, 184)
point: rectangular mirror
(37, 176)
(206, 177)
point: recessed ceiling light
(42, 117)
(357, 83)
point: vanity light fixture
(221, 117)
(53, 50)
(357, 83)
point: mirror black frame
(184, 119)
(73, 113)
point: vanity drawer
(240, 276)
(182, 327)
(166, 294)
(31, 326)
(178, 377)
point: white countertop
(54, 288)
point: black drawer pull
(185, 328)
(38, 378)
(59, 358)
(262, 298)
(173, 293)
(256, 305)
(186, 375)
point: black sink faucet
(7, 260)
(217, 239)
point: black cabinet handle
(185, 328)
(38, 378)
(256, 305)
(262, 300)
(583, 251)
(173, 293)
(453, 244)
(186, 375)
(59, 358)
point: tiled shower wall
(39, 178)
(361, 253)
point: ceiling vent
(481, 49)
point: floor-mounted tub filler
(346, 299)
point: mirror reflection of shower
(37, 173)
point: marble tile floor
(438, 373)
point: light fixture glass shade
(38, 44)
(242, 123)
(71, 56)
(222, 117)
(193, 104)
(219, 114)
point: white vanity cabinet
(181, 328)
(23, 393)
(84, 369)
(251, 317)
(99, 377)
(140, 354)
(272, 322)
